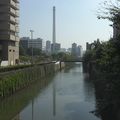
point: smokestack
(54, 28)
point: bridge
(72, 60)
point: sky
(76, 21)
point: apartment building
(9, 38)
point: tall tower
(54, 28)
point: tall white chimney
(54, 28)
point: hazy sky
(76, 21)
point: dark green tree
(22, 51)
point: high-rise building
(74, 49)
(79, 51)
(48, 47)
(9, 39)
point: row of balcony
(7, 26)
(9, 10)
(9, 18)
(9, 37)
(13, 3)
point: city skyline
(75, 21)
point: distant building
(63, 50)
(69, 50)
(55, 48)
(35, 43)
(79, 51)
(74, 49)
(26, 42)
(48, 47)
(9, 37)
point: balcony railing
(12, 27)
(12, 37)
(12, 11)
(17, 39)
(17, 29)
(14, 4)
(12, 19)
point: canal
(69, 95)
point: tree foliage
(109, 10)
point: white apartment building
(9, 38)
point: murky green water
(69, 95)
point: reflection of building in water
(17, 117)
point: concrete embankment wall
(14, 80)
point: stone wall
(15, 80)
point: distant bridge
(72, 61)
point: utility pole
(31, 31)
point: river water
(69, 95)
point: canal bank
(21, 77)
(66, 95)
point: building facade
(48, 47)
(55, 48)
(9, 38)
(35, 43)
(26, 42)
(79, 51)
(74, 49)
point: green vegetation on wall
(12, 81)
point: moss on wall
(13, 81)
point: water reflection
(89, 89)
(108, 97)
(10, 107)
(54, 98)
(68, 95)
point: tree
(22, 51)
(110, 11)
(36, 51)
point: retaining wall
(15, 80)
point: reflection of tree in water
(108, 97)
